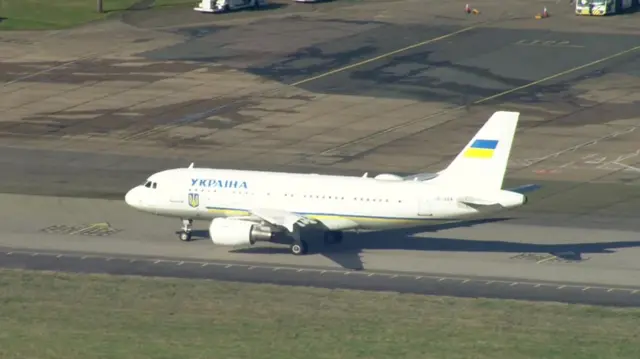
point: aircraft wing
(288, 220)
(424, 176)
(282, 218)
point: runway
(329, 90)
(495, 250)
(417, 283)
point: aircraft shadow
(203, 234)
(347, 254)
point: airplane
(245, 207)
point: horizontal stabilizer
(477, 201)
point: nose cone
(133, 198)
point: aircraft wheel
(299, 248)
(185, 237)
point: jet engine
(231, 232)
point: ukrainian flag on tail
(481, 149)
(481, 164)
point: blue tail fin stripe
(485, 144)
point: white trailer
(217, 6)
(602, 7)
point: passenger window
(154, 185)
(148, 184)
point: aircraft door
(425, 206)
(177, 197)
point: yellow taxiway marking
(329, 73)
(90, 227)
(477, 102)
(551, 257)
(383, 56)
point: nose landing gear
(185, 233)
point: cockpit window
(150, 184)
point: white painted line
(514, 283)
(439, 278)
(370, 275)
(34, 254)
(537, 285)
(250, 268)
(180, 263)
(156, 262)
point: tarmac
(91, 112)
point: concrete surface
(495, 248)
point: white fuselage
(338, 202)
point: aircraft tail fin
(482, 164)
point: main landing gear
(185, 233)
(300, 246)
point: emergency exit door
(425, 207)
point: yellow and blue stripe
(326, 216)
(483, 149)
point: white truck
(217, 6)
(603, 7)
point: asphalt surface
(559, 203)
(417, 283)
(326, 93)
(474, 64)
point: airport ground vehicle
(217, 6)
(603, 7)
